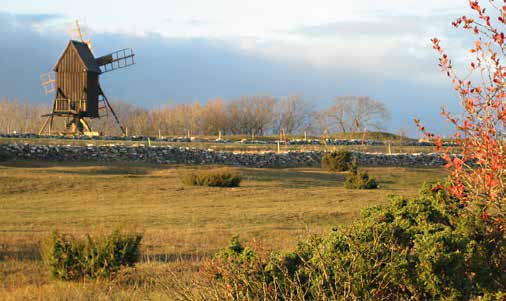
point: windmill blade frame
(116, 60)
(48, 82)
(82, 33)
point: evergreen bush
(337, 161)
(411, 249)
(69, 258)
(359, 180)
(222, 177)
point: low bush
(411, 249)
(337, 161)
(359, 179)
(69, 258)
(222, 177)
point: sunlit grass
(182, 224)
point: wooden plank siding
(93, 90)
(71, 76)
(75, 84)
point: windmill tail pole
(116, 117)
(123, 131)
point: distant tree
(251, 114)
(354, 113)
(140, 122)
(293, 114)
(237, 116)
(320, 123)
(262, 110)
(214, 117)
(107, 124)
(159, 121)
(257, 115)
(187, 118)
(21, 117)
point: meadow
(182, 225)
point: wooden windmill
(74, 81)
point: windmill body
(76, 86)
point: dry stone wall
(184, 155)
(408, 142)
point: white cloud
(385, 38)
(385, 47)
(391, 39)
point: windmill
(74, 81)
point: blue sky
(195, 50)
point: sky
(189, 50)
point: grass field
(182, 225)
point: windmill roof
(85, 54)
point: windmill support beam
(44, 125)
(74, 124)
(85, 125)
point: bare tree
(214, 117)
(354, 113)
(107, 125)
(21, 117)
(166, 120)
(262, 110)
(293, 115)
(320, 122)
(257, 115)
(251, 114)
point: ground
(182, 225)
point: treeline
(20, 117)
(248, 115)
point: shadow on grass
(84, 168)
(174, 257)
(24, 253)
(295, 178)
(107, 170)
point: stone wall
(184, 155)
(407, 142)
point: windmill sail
(48, 82)
(116, 60)
(80, 33)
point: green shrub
(222, 177)
(411, 249)
(359, 180)
(337, 161)
(69, 258)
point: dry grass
(182, 225)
